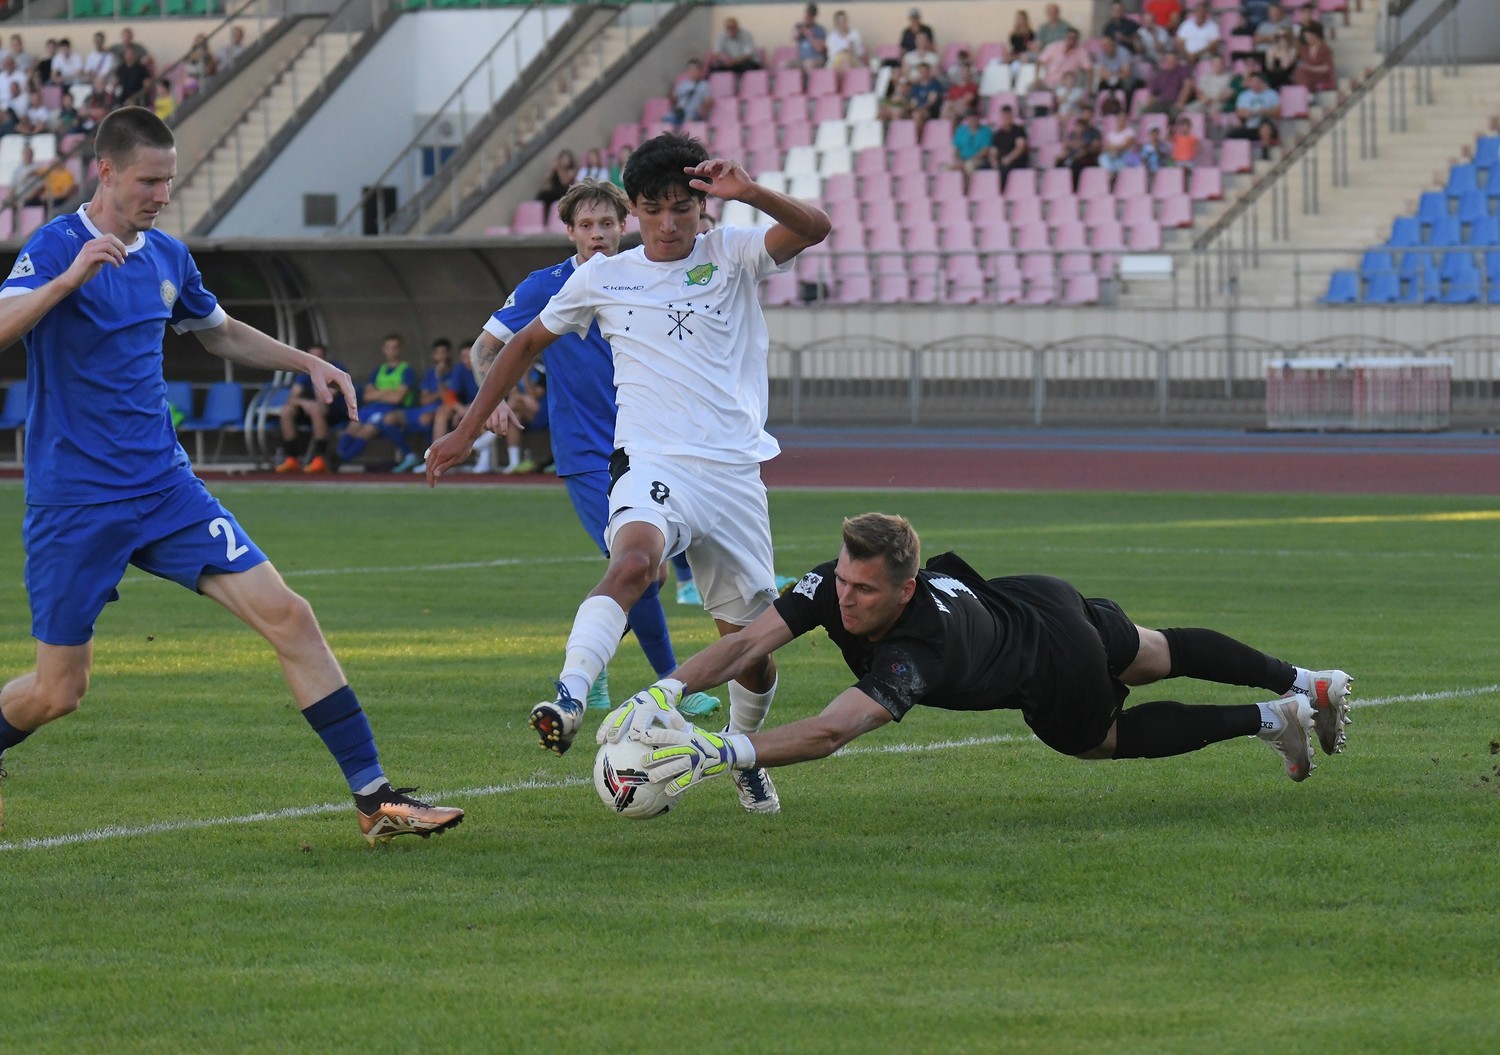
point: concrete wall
(1478, 32)
(373, 114)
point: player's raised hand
(96, 252)
(651, 707)
(446, 453)
(503, 420)
(325, 378)
(682, 758)
(719, 178)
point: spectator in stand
(562, 175)
(1053, 29)
(39, 116)
(593, 167)
(1009, 148)
(1198, 37)
(127, 40)
(163, 102)
(99, 63)
(19, 102)
(10, 77)
(198, 67)
(130, 77)
(1114, 71)
(68, 118)
(1064, 56)
(7, 121)
(924, 54)
(692, 98)
(1258, 108)
(67, 67)
(1280, 60)
(971, 145)
(915, 27)
(1022, 38)
(16, 49)
(302, 402)
(811, 40)
(1253, 13)
(1171, 86)
(846, 48)
(617, 166)
(1215, 89)
(927, 92)
(1315, 70)
(1165, 13)
(1072, 97)
(27, 170)
(1081, 147)
(41, 72)
(1155, 42)
(1272, 26)
(1155, 154)
(962, 62)
(1117, 144)
(1122, 29)
(230, 53)
(735, 51)
(962, 96)
(897, 103)
(1184, 145)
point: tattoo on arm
(483, 354)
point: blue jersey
(98, 427)
(463, 384)
(580, 375)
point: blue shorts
(590, 495)
(76, 555)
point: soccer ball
(620, 779)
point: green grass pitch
(181, 871)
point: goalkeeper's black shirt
(963, 643)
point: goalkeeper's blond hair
(592, 192)
(891, 538)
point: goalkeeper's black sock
(1211, 656)
(1166, 728)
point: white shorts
(716, 513)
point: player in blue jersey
(107, 483)
(581, 405)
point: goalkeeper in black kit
(944, 636)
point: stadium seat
(866, 134)
(223, 412)
(1473, 207)
(1492, 182)
(1080, 289)
(1177, 211)
(957, 237)
(1235, 156)
(1168, 183)
(1294, 101)
(822, 81)
(779, 289)
(892, 284)
(1406, 231)
(852, 281)
(1099, 210)
(1383, 288)
(1432, 207)
(863, 107)
(1093, 183)
(1108, 237)
(1137, 210)
(1056, 183)
(991, 236)
(1130, 183)
(1446, 231)
(835, 161)
(1374, 262)
(983, 185)
(948, 183)
(755, 83)
(13, 413)
(901, 136)
(530, 218)
(1206, 184)
(857, 82)
(1485, 231)
(1144, 238)
(963, 279)
(1343, 288)
(1039, 279)
(1462, 179)
(1487, 152)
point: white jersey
(689, 343)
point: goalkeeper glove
(681, 758)
(631, 720)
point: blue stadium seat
(1458, 267)
(1423, 287)
(1343, 288)
(1492, 182)
(1492, 265)
(1384, 288)
(1406, 231)
(1462, 292)
(1472, 206)
(13, 413)
(1447, 231)
(180, 398)
(1484, 232)
(1432, 207)
(1374, 261)
(1461, 180)
(1487, 152)
(223, 411)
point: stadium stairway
(306, 60)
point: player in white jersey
(690, 343)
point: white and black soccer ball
(621, 781)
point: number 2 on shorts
(221, 526)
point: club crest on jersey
(808, 585)
(24, 267)
(168, 292)
(702, 275)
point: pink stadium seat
(857, 81)
(1032, 234)
(870, 161)
(990, 212)
(1107, 237)
(1001, 99)
(912, 187)
(1196, 121)
(1075, 264)
(1130, 183)
(1177, 211)
(1040, 99)
(1098, 210)
(627, 134)
(823, 82)
(908, 160)
(761, 134)
(885, 238)
(1063, 210)
(1070, 236)
(853, 283)
(826, 108)
(1207, 183)
(1080, 289)
(1093, 183)
(1040, 280)
(948, 183)
(925, 270)
(984, 184)
(784, 56)
(754, 83)
(991, 51)
(952, 211)
(786, 81)
(1328, 7)
(1168, 183)
(963, 279)
(877, 188)
(757, 110)
(696, 129)
(848, 238)
(920, 236)
(901, 136)
(991, 236)
(1043, 130)
(1045, 155)
(843, 213)
(839, 187)
(779, 289)
(796, 134)
(763, 158)
(1021, 186)
(529, 218)
(892, 284)
(792, 107)
(655, 109)
(1294, 101)
(1056, 183)
(1005, 273)
(916, 213)
(721, 84)
(937, 135)
(1234, 155)
(957, 237)
(1144, 238)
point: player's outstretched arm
(727, 657)
(851, 714)
(239, 342)
(798, 225)
(508, 367)
(21, 311)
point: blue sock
(683, 569)
(10, 736)
(394, 434)
(350, 447)
(650, 625)
(338, 719)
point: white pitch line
(167, 827)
